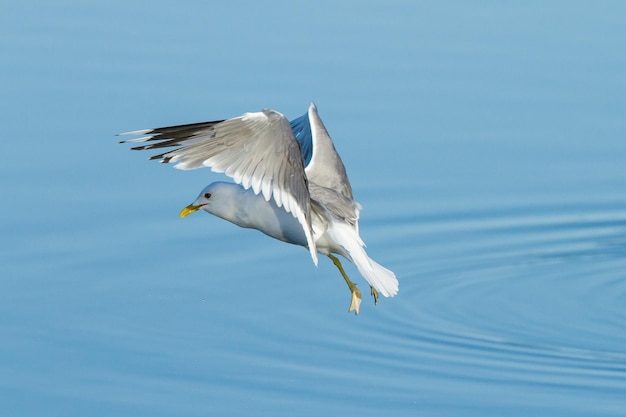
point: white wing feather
(258, 150)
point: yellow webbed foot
(356, 293)
(374, 294)
(356, 301)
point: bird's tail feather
(379, 277)
(376, 275)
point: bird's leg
(356, 293)
(374, 294)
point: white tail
(379, 277)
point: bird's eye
(207, 195)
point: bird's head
(217, 198)
(202, 202)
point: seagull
(290, 184)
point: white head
(217, 198)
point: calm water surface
(486, 144)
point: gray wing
(258, 150)
(326, 168)
(328, 181)
(340, 207)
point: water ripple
(532, 296)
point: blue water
(485, 142)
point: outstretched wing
(325, 167)
(258, 150)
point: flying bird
(290, 184)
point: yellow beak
(189, 209)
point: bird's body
(290, 184)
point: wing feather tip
(135, 132)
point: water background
(485, 141)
